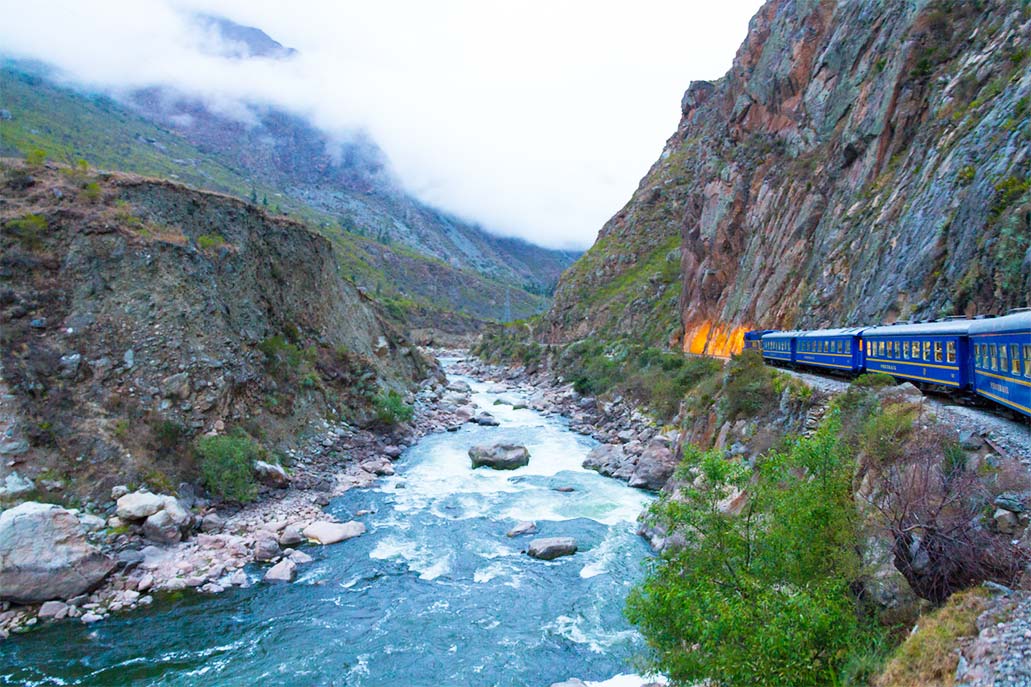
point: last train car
(1001, 359)
(929, 352)
(830, 349)
(779, 347)
(754, 339)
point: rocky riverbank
(632, 447)
(139, 544)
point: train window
(880, 348)
(1003, 358)
(950, 351)
(905, 349)
(869, 349)
(927, 350)
(848, 347)
(898, 349)
(1014, 359)
(993, 352)
(1027, 360)
(938, 351)
(977, 355)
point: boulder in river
(486, 420)
(548, 548)
(283, 571)
(44, 555)
(524, 527)
(499, 456)
(326, 532)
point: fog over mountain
(534, 120)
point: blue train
(990, 357)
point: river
(434, 594)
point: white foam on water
(577, 630)
(489, 572)
(429, 564)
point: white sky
(536, 119)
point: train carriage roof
(943, 328)
(1014, 322)
(792, 334)
(822, 333)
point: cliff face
(859, 163)
(137, 314)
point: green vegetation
(873, 380)
(749, 388)
(36, 157)
(29, 230)
(390, 408)
(783, 565)
(227, 466)
(929, 656)
(210, 241)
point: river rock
(499, 456)
(177, 512)
(524, 527)
(44, 555)
(160, 528)
(486, 420)
(265, 549)
(271, 474)
(53, 610)
(212, 522)
(283, 571)
(139, 505)
(326, 532)
(291, 536)
(552, 547)
(654, 467)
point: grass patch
(210, 241)
(928, 656)
(29, 230)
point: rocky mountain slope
(859, 163)
(286, 166)
(138, 314)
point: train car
(831, 349)
(779, 347)
(929, 352)
(754, 339)
(1001, 359)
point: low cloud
(535, 119)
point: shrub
(91, 192)
(873, 380)
(28, 230)
(762, 597)
(748, 387)
(391, 409)
(885, 432)
(210, 241)
(36, 158)
(227, 466)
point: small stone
(271, 474)
(265, 549)
(300, 557)
(212, 522)
(91, 617)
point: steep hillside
(139, 313)
(859, 163)
(285, 166)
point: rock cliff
(138, 314)
(859, 163)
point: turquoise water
(434, 594)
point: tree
(761, 597)
(254, 196)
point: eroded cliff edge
(138, 314)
